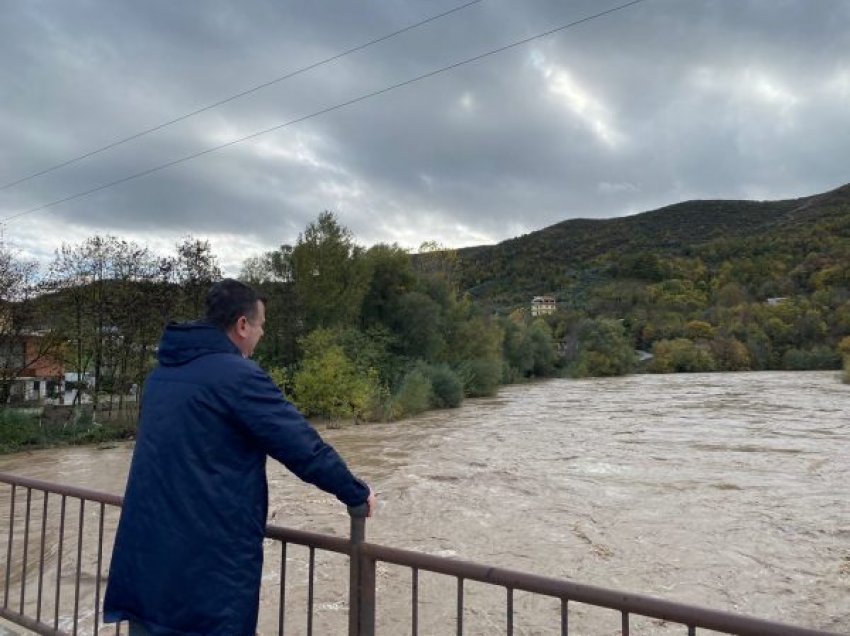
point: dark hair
(228, 300)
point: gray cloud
(661, 102)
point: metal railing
(36, 507)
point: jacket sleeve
(288, 437)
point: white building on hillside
(543, 305)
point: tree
(328, 384)
(680, 355)
(138, 308)
(196, 269)
(603, 349)
(437, 261)
(730, 354)
(331, 274)
(392, 276)
(699, 329)
(417, 321)
(271, 274)
(268, 267)
(79, 274)
(23, 342)
(110, 300)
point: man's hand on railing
(367, 508)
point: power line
(248, 91)
(323, 111)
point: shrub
(811, 359)
(123, 425)
(17, 429)
(329, 386)
(696, 329)
(446, 385)
(603, 350)
(730, 354)
(379, 402)
(414, 394)
(481, 376)
(680, 355)
(281, 377)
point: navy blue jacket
(188, 552)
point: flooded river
(722, 490)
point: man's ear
(241, 325)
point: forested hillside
(721, 284)
(559, 257)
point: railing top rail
(62, 489)
(592, 595)
(303, 537)
(289, 535)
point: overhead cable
(248, 91)
(322, 111)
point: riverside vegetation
(378, 334)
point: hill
(571, 258)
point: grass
(27, 429)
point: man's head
(237, 310)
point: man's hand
(367, 508)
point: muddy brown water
(722, 490)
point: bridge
(46, 521)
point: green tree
(438, 262)
(518, 357)
(480, 376)
(730, 354)
(196, 269)
(331, 274)
(392, 277)
(414, 394)
(681, 355)
(542, 347)
(699, 329)
(447, 388)
(603, 349)
(418, 323)
(328, 385)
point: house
(543, 305)
(776, 300)
(28, 366)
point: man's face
(251, 330)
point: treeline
(373, 334)
(351, 332)
(98, 310)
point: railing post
(361, 598)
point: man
(189, 547)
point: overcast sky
(662, 101)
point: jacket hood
(182, 343)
